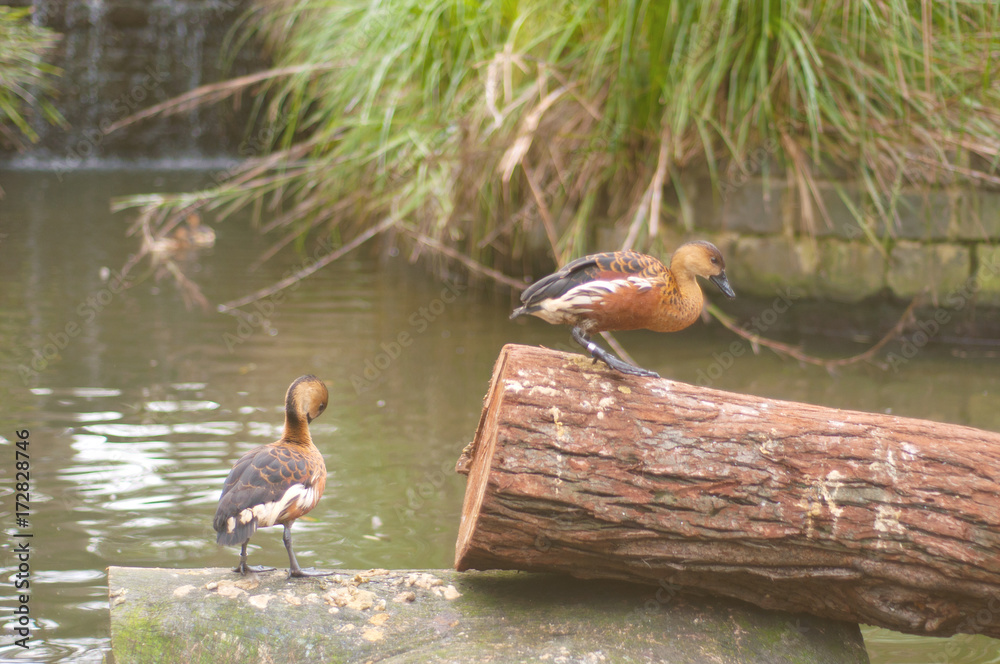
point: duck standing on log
(626, 290)
(276, 483)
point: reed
(502, 131)
(25, 77)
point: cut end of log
(475, 461)
(477, 458)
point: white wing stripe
(582, 298)
(268, 514)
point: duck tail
(232, 532)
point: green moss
(223, 630)
(137, 638)
(503, 616)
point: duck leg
(245, 569)
(294, 570)
(611, 360)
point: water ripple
(83, 392)
(142, 503)
(97, 416)
(188, 387)
(209, 428)
(79, 650)
(885, 646)
(67, 576)
(180, 406)
(129, 430)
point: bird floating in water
(192, 235)
(276, 483)
(626, 290)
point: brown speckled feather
(609, 265)
(263, 476)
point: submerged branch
(310, 269)
(473, 265)
(190, 292)
(796, 353)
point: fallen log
(854, 516)
(443, 617)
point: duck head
(702, 259)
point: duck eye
(715, 260)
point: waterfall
(119, 57)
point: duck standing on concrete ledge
(276, 483)
(626, 290)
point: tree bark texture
(854, 516)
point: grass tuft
(25, 78)
(507, 130)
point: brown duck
(626, 290)
(276, 483)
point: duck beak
(722, 282)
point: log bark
(854, 516)
(443, 617)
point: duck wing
(268, 485)
(596, 267)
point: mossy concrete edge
(213, 615)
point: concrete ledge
(214, 615)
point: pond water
(137, 406)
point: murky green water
(137, 407)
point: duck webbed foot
(294, 571)
(245, 569)
(299, 573)
(610, 359)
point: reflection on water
(136, 418)
(891, 647)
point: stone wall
(945, 243)
(121, 56)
